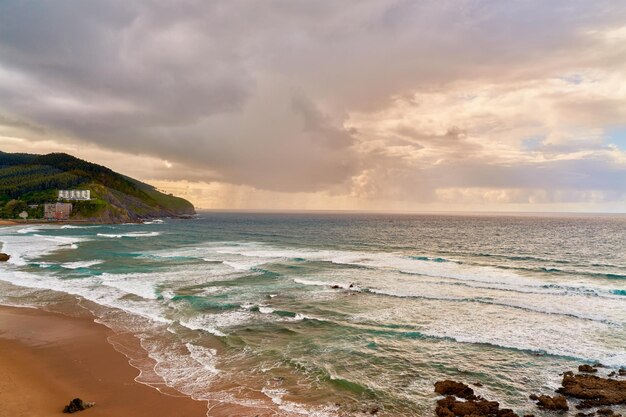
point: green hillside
(28, 180)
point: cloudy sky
(326, 104)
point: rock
(533, 397)
(77, 405)
(584, 415)
(4, 257)
(458, 389)
(558, 402)
(622, 372)
(587, 368)
(605, 412)
(451, 407)
(478, 384)
(469, 405)
(612, 374)
(593, 390)
(335, 287)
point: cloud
(365, 100)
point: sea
(320, 314)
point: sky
(429, 105)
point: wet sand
(47, 359)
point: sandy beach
(47, 359)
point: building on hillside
(57, 211)
(74, 194)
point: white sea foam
(29, 230)
(343, 285)
(204, 356)
(73, 226)
(198, 323)
(142, 285)
(495, 325)
(25, 248)
(277, 396)
(265, 310)
(90, 289)
(217, 323)
(244, 265)
(80, 264)
(155, 221)
(130, 234)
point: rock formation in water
(4, 257)
(587, 368)
(470, 404)
(594, 391)
(558, 402)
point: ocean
(328, 314)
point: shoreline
(47, 359)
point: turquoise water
(297, 314)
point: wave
(155, 221)
(204, 356)
(29, 230)
(80, 264)
(426, 258)
(89, 289)
(517, 257)
(130, 234)
(516, 306)
(560, 271)
(72, 226)
(342, 285)
(217, 324)
(24, 248)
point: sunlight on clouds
(325, 105)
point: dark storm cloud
(259, 93)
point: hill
(29, 180)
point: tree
(14, 207)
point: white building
(74, 195)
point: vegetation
(28, 181)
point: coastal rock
(451, 407)
(558, 402)
(587, 368)
(4, 257)
(605, 412)
(458, 389)
(469, 405)
(622, 372)
(593, 390)
(77, 405)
